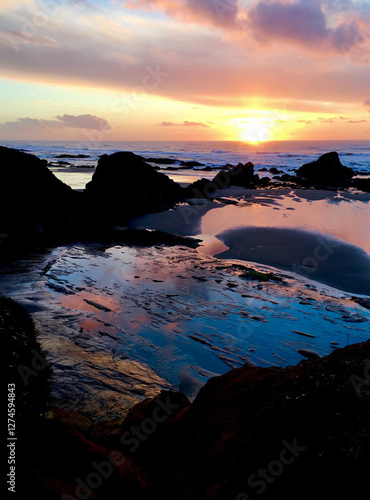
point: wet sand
(311, 254)
(321, 235)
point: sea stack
(326, 168)
(124, 185)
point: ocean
(286, 156)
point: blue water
(285, 155)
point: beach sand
(322, 235)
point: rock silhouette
(124, 185)
(327, 167)
(31, 197)
(242, 175)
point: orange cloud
(183, 124)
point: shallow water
(121, 323)
(322, 235)
(335, 214)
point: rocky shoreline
(300, 431)
(228, 443)
(43, 210)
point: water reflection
(344, 219)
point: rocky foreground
(298, 432)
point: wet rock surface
(267, 430)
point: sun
(255, 130)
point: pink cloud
(87, 121)
(91, 122)
(217, 12)
(215, 67)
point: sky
(250, 70)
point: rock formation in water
(326, 168)
(33, 201)
(124, 185)
(242, 175)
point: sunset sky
(248, 70)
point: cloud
(90, 122)
(303, 22)
(216, 12)
(367, 102)
(214, 67)
(357, 121)
(183, 124)
(326, 120)
(34, 123)
(84, 121)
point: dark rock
(361, 184)
(71, 156)
(275, 171)
(191, 164)
(285, 178)
(147, 237)
(27, 372)
(161, 161)
(363, 301)
(203, 188)
(241, 422)
(242, 175)
(326, 168)
(263, 182)
(32, 199)
(124, 185)
(307, 353)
